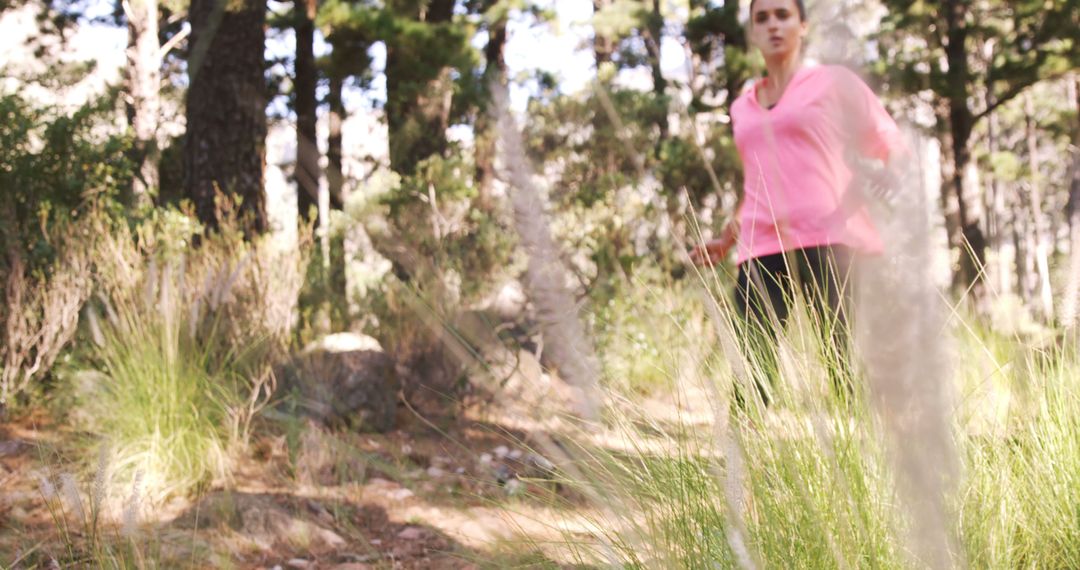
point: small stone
(459, 470)
(352, 566)
(320, 511)
(503, 474)
(406, 449)
(411, 533)
(400, 494)
(540, 462)
(298, 563)
(10, 447)
(435, 472)
(18, 513)
(330, 538)
(501, 451)
(485, 458)
(514, 487)
(375, 541)
(514, 454)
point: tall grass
(919, 466)
(184, 344)
(813, 481)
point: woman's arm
(716, 250)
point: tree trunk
(1072, 288)
(1026, 267)
(225, 145)
(961, 124)
(1038, 222)
(335, 185)
(335, 176)
(997, 220)
(307, 171)
(946, 196)
(418, 96)
(143, 82)
(654, 36)
(486, 136)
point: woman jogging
(800, 219)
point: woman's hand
(876, 181)
(714, 251)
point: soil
(451, 493)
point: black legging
(765, 287)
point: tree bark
(335, 176)
(1038, 222)
(654, 37)
(997, 221)
(225, 145)
(486, 137)
(1072, 288)
(307, 171)
(961, 124)
(418, 96)
(143, 83)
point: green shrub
(185, 346)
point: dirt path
(468, 497)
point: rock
(352, 566)
(268, 526)
(411, 533)
(501, 451)
(343, 379)
(12, 447)
(435, 472)
(399, 494)
(538, 467)
(514, 487)
(503, 473)
(260, 519)
(298, 563)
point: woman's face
(776, 28)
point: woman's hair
(800, 4)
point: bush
(186, 345)
(60, 176)
(41, 310)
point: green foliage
(181, 344)
(1028, 41)
(682, 165)
(639, 327)
(55, 165)
(438, 220)
(810, 482)
(619, 18)
(715, 31)
(596, 157)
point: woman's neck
(781, 71)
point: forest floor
(451, 493)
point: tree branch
(173, 41)
(1015, 91)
